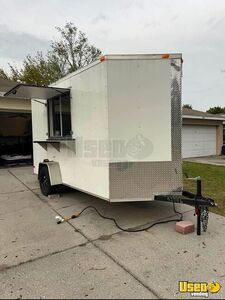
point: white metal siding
(198, 141)
(84, 168)
(139, 96)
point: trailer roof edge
(119, 57)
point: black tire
(44, 181)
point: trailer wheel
(44, 181)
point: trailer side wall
(79, 161)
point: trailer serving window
(59, 117)
(58, 106)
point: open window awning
(26, 91)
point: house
(223, 115)
(15, 126)
(202, 133)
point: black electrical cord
(131, 230)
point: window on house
(59, 117)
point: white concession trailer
(111, 129)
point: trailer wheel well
(53, 171)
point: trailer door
(40, 130)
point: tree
(71, 52)
(187, 106)
(3, 74)
(37, 70)
(216, 110)
(73, 49)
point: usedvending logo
(139, 147)
(199, 289)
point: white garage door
(198, 141)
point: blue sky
(194, 28)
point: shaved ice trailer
(112, 129)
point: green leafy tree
(187, 106)
(216, 110)
(37, 70)
(3, 74)
(73, 50)
(67, 54)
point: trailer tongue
(200, 203)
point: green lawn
(213, 182)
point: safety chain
(204, 217)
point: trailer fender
(53, 170)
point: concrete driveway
(218, 160)
(91, 258)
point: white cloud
(16, 45)
(99, 18)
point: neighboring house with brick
(202, 133)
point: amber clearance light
(165, 56)
(102, 58)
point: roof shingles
(197, 113)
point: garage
(198, 140)
(15, 138)
(202, 134)
(15, 128)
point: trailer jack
(200, 203)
